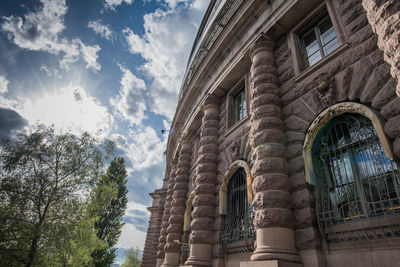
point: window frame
(242, 84)
(328, 8)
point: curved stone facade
(252, 62)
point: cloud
(41, 31)
(103, 30)
(111, 4)
(131, 237)
(67, 107)
(90, 55)
(3, 85)
(130, 103)
(137, 215)
(174, 3)
(166, 57)
(10, 122)
(143, 148)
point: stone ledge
(269, 263)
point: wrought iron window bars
(238, 234)
(358, 194)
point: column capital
(185, 137)
(264, 42)
(211, 101)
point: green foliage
(108, 205)
(45, 182)
(132, 258)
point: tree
(45, 180)
(109, 204)
(132, 258)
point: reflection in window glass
(239, 105)
(318, 40)
(355, 178)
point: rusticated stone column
(201, 238)
(175, 228)
(153, 233)
(166, 215)
(150, 245)
(384, 17)
(273, 220)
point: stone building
(285, 143)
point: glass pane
(328, 36)
(330, 47)
(314, 58)
(325, 25)
(239, 106)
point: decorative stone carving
(235, 149)
(326, 92)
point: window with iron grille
(238, 234)
(358, 196)
(317, 39)
(185, 248)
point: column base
(159, 262)
(312, 257)
(171, 260)
(275, 243)
(270, 263)
(200, 255)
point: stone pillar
(202, 236)
(384, 17)
(273, 220)
(165, 218)
(175, 228)
(153, 232)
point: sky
(108, 67)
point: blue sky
(113, 66)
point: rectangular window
(317, 39)
(239, 105)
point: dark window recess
(317, 40)
(358, 196)
(239, 105)
(238, 234)
(185, 248)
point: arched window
(355, 180)
(238, 234)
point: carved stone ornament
(326, 92)
(235, 149)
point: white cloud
(174, 3)
(90, 55)
(3, 85)
(130, 103)
(101, 29)
(111, 4)
(68, 107)
(41, 31)
(131, 237)
(143, 148)
(165, 47)
(147, 147)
